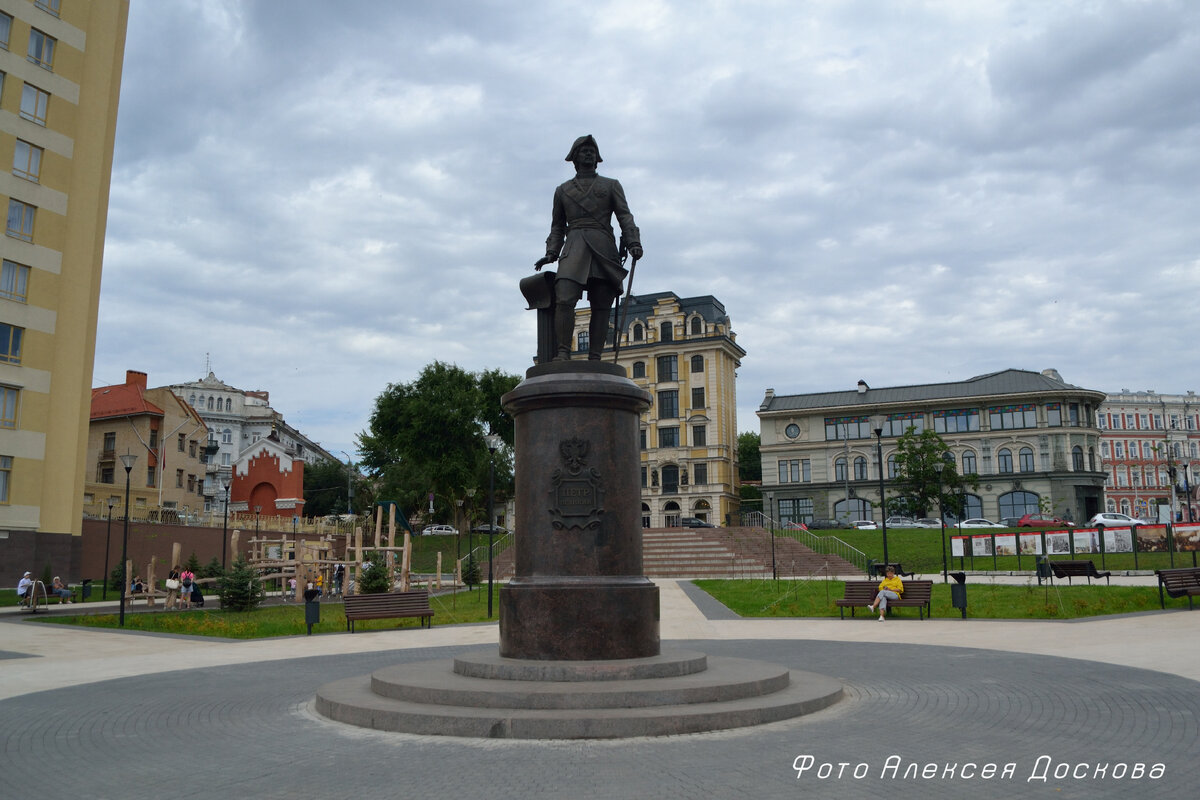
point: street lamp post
(877, 426)
(257, 511)
(127, 461)
(771, 531)
(939, 466)
(107, 537)
(349, 481)
(493, 443)
(225, 525)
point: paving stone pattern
(248, 731)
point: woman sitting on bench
(890, 588)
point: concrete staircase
(717, 553)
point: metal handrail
(826, 545)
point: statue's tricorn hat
(580, 142)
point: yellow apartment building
(60, 77)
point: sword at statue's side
(624, 312)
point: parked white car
(440, 530)
(864, 525)
(1112, 519)
(979, 522)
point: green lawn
(919, 550)
(280, 620)
(814, 598)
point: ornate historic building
(685, 353)
(1032, 439)
(1150, 446)
(60, 78)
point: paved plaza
(930, 706)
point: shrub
(376, 578)
(470, 572)
(240, 588)
(212, 569)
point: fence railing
(826, 545)
(241, 520)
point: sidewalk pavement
(68, 656)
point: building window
(34, 103)
(961, 420)
(639, 333)
(182, 442)
(860, 469)
(795, 509)
(857, 508)
(10, 343)
(9, 399)
(670, 479)
(643, 477)
(1118, 450)
(14, 281)
(1025, 457)
(1054, 414)
(20, 220)
(666, 332)
(668, 437)
(151, 477)
(697, 365)
(668, 404)
(210, 404)
(839, 469)
(698, 397)
(1004, 462)
(839, 428)
(228, 404)
(6, 464)
(41, 49)
(225, 459)
(642, 438)
(192, 448)
(639, 369)
(1018, 504)
(178, 479)
(898, 424)
(697, 326)
(1077, 458)
(1004, 418)
(48, 5)
(969, 465)
(227, 436)
(668, 368)
(700, 473)
(27, 161)
(699, 436)
(581, 341)
(893, 467)
(5, 30)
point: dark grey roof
(1005, 382)
(642, 307)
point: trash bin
(958, 592)
(312, 608)
(1044, 572)
(87, 588)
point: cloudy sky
(323, 197)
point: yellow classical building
(60, 76)
(685, 353)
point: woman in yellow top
(890, 588)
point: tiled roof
(123, 400)
(1005, 382)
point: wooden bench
(388, 605)
(1181, 582)
(1078, 569)
(917, 594)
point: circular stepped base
(680, 692)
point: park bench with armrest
(880, 568)
(1180, 582)
(1078, 569)
(388, 605)
(917, 594)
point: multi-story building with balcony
(685, 353)
(1150, 446)
(238, 419)
(60, 78)
(167, 437)
(1031, 438)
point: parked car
(864, 524)
(929, 522)
(1111, 519)
(980, 522)
(1043, 521)
(825, 524)
(902, 522)
(694, 522)
(440, 530)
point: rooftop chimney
(862, 387)
(135, 378)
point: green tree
(212, 569)
(325, 486)
(749, 459)
(193, 564)
(376, 578)
(427, 437)
(915, 487)
(240, 588)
